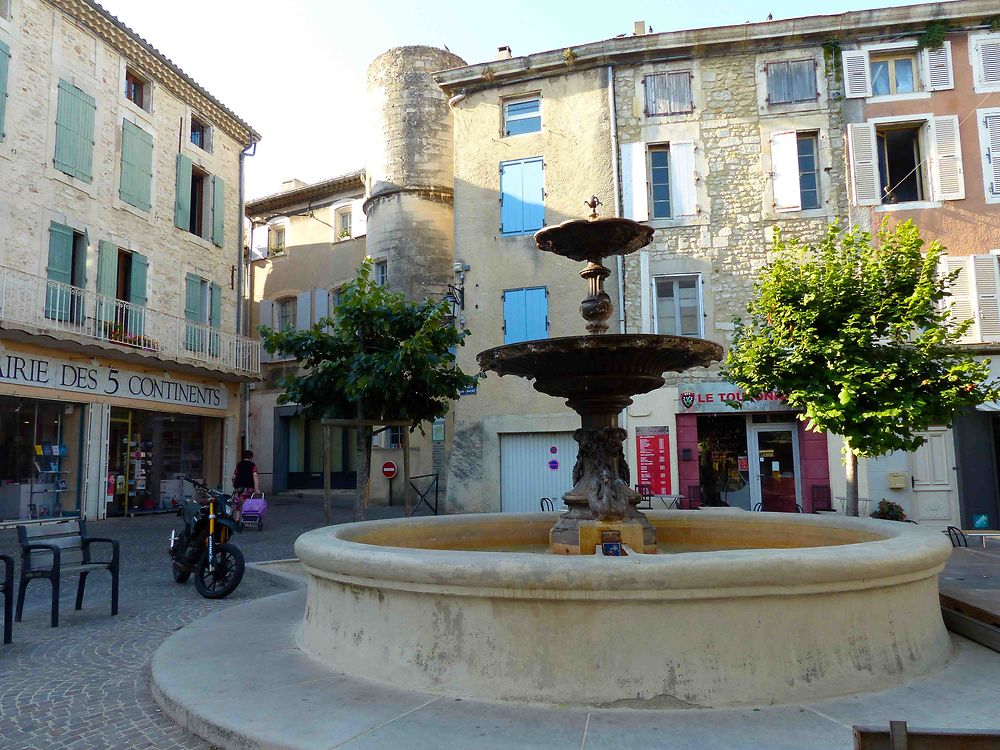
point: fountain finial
(592, 204)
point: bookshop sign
(102, 380)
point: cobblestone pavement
(85, 684)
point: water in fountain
(598, 374)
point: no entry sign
(388, 469)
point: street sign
(554, 464)
(388, 469)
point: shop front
(83, 435)
(752, 454)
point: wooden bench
(62, 548)
(7, 588)
(899, 737)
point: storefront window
(40, 458)
(723, 469)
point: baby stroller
(252, 508)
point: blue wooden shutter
(192, 311)
(511, 212)
(218, 209)
(532, 194)
(4, 68)
(107, 281)
(59, 269)
(215, 318)
(515, 321)
(536, 306)
(135, 186)
(137, 295)
(182, 196)
(75, 132)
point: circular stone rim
(899, 550)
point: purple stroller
(253, 511)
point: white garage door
(534, 465)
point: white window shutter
(937, 68)
(635, 198)
(645, 293)
(785, 171)
(683, 179)
(988, 54)
(359, 222)
(991, 157)
(303, 311)
(960, 296)
(321, 303)
(265, 317)
(988, 309)
(857, 74)
(946, 166)
(865, 189)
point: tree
(858, 336)
(379, 357)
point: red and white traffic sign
(388, 469)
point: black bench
(62, 548)
(7, 588)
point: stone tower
(410, 209)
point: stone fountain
(735, 609)
(597, 375)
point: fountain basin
(784, 608)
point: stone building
(120, 358)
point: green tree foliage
(378, 357)
(858, 336)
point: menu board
(652, 448)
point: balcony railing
(54, 306)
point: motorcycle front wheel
(225, 575)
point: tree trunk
(327, 512)
(363, 470)
(368, 472)
(406, 472)
(852, 481)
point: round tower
(410, 213)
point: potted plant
(889, 511)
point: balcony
(40, 306)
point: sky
(297, 74)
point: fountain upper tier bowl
(593, 239)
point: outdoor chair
(8, 591)
(645, 495)
(958, 539)
(691, 499)
(821, 499)
(52, 550)
(547, 506)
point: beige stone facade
(76, 45)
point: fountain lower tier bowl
(776, 608)
(600, 373)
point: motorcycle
(203, 546)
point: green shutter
(59, 269)
(182, 199)
(4, 68)
(192, 311)
(137, 296)
(135, 187)
(75, 132)
(218, 209)
(107, 280)
(215, 319)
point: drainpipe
(249, 150)
(619, 267)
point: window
(136, 89)
(286, 313)
(343, 223)
(74, 132)
(382, 272)
(276, 239)
(4, 72)
(199, 202)
(973, 295)
(67, 274)
(395, 435)
(659, 182)
(668, 93)
(989, 135)
(896, 162)
(792, 81)
(525, 314)
(894, 74)
(522, 116)
(203, 310)
(677, 305)
(808, 153)
(136, 183)
(201, 134)
(522, 196)
(986, 61)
